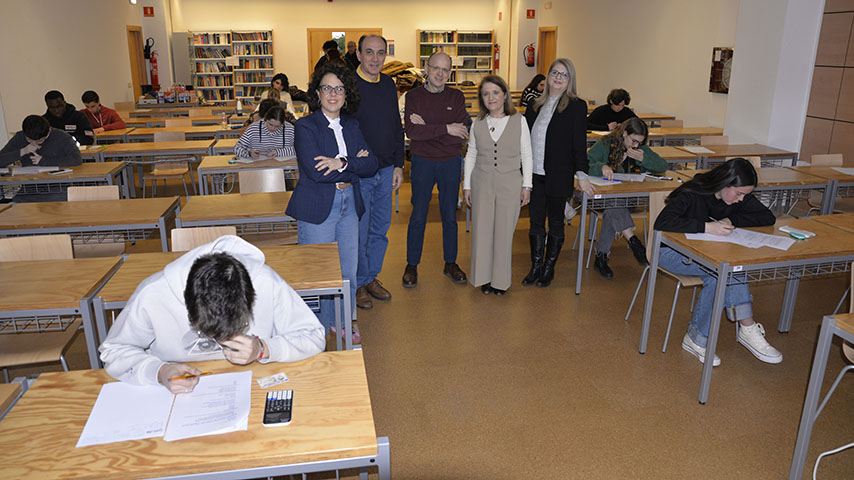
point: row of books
(253, 63)
(211, 38)
(217, 95)
(214, 81)
(250, 91)
(482, 37)
(437, 37)
(253, 49)
(212, 67)
(212, 52)
(253, 77)
(252, 36)
(485, 50)
(431, 49)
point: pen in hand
(187, 375)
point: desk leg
(164, 242)
(129, 192)
(715, 327)
(788, 308)
(581, 238)
(337, 302)
(90, 334)
(203, 186)
(100, 317)
(347, 314)
(829, 197)
(809, 414)
(650, 289)
(383, 458)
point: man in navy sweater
(379, 120)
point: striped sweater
(258, 137)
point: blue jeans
(376, 194)
(423, 176)
(342, 226)
(737, 299)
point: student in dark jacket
(557, 121)
(717, 202)
(613, 114)
(65, 117)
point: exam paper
(697, 150)
(601, 181)
(218, 404)
(32, 170)
(127, 412)
(844, 170)
(746, 238)
(629, 177)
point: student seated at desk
(609, 116)
(101, 117)
(622, 151)
(216, 301)
(716, 202)
(64, 116)
(270, 137)
(280, 85)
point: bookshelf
(471, 51)
(211, 76)
(254, 51)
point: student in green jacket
(624, 150)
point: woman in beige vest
(497, 183)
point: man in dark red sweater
(437, 124)
(101, 117)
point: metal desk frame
(60, 183)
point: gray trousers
(613, 221)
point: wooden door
(546, 48)
(137, 60)
(316, 37)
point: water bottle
(224, 121)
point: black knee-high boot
(538, 245)
(552, 252)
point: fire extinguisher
(496, 55)
(530, 53)
(155, 78)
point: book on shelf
(211, 38)
(437, 37)
(251, 36)
(256, 63)
(212, 52)
(252, 49)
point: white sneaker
(568, 211)
(753, 337)
(700, 352)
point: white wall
(289, 20)
(71, 46)
(525, 33)
(658, 50)
(159, 29)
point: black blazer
(566, 146)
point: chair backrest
(201, 112)
(185, 239)
(39, 247)
(672, 124)
(755, 161)
(827, 159)
(656, 205)
(98, 192)
(124, 106)
(179, 122)
(169, 136)
(259, 181)
(714, 140)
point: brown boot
(363, 298)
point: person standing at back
(351, 56)
(437, 125)
(379, 121)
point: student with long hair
(622, 151)
(717, 202)
(271, 137)
(533, 91)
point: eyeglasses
(557, 74)
(328, 89)
(443, 70)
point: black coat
(566, 146)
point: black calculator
(277, 410)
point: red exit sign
(147, 11)
(531, 13)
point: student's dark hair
(283, 78)
(275, 112)
(35, 127)
(536, 81)
(618, 95)
(509, 109)
(330, 44)
(90, 96)
(53, 95)
(219, 296)
(351, 91)
(616, 143)
(266, 105)
(737, 172)
(363, 37)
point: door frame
(540, 36)
(136, 59)
(308, 31)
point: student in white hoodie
(216, 301)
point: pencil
(188, 375)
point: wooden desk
(134, 153)
(92, 221)
(224, 146)
(215, 170)
(108, 136)
(842, 221)
(177, 109)
(311, 270)
(620, 195)
(332, 428)
(654, 119)
(674, 134)
(840, 184)
(104, 173)
(594, 136)
(251, 213)
(92, 153)
(676, 156)
(9, 394)
(770, 156)
(829, 252)
(192, 133)
(54, 292)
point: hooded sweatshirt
(74, 123)
(154, 328)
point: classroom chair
(178, 122)
(672, 124)
(124, 106)
(266, 181)
(656, 205)
(815, 198)
(200, 112)
(9, 395)
(166, 167)
(714, 140)
(100, 249)
(186, 239)
(32, 348)
(593, 233)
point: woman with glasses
(331, 155)
(622, 151)
(270, 137)
(557, 120)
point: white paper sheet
(629, 177)
(844, 170)
(697, 150)
(127, 412)
(32, 170)
(218, 404)
(602, 182)
(746, 238)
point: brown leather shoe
(453, 271)
(410, 276)
(377, 290)
(363, 298)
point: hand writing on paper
(719, 228)
(254, 153)
(181, 385)
(607, 172)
